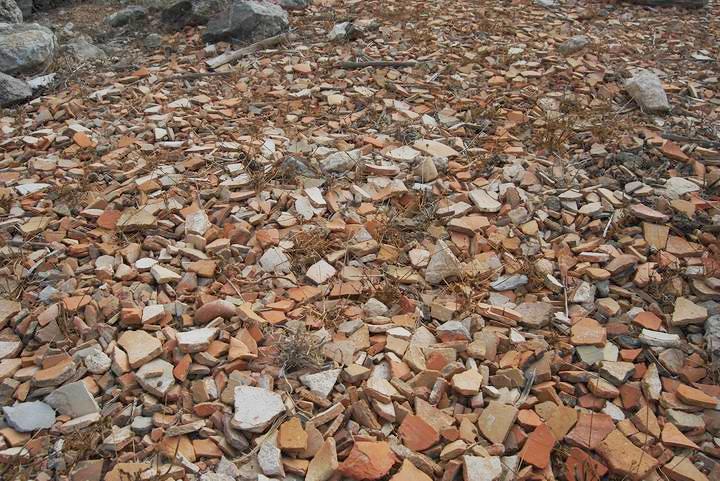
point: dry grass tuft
(299, 350)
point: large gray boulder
(647, 90)
(12, 90)
(180, 13)
(247, 21)
(10, 12)
(131, 14)
(25, 47)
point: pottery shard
(680, 468)
(73, 400)
(196, 340)
(443, 264)
(590, 430)
(54, 375)
(535, 314)
(256, 408)
(321, 383)
(325, 463)
(496, 420)
(140, 347)
(484, 202)
(435, 149)
(476, 468)
(7, 310)
(538, 446)
(292, 438)
(156, 377)
(562, 420)
(588, 332)
(467, 383)
(624, 458)
(696, 397)
(368, 461)
(408, 472)
(214, 309)
(133, 220)
(417, 434)
(687, 312)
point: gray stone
(25, 47)
(321, 383)
(647, 90)
(269, 458)
(29, 416)
(483, 201)
(215, 477)
(141, 425)
(256, 408)
(374, 308)
(227, 468)
(511, 465)
(590, 355)
(294, 4)
(73, 400)
(535, 314)
(275, 260)
(249, 21)
(482, 469)
(12, 90)
(685, 421)
(584, 293)
(10, 349)
(41, 81)
(651, 384)
(131, 14)
(443, 264)
(153, 40)
(509, 282)
(234, 437)
(658, 338)
(292, 166)
(340, 162)
(454, 330)
(712, 338)
(196, 340)
(616, 372)
(10, 12)
(574, 44)
(97, 362)
(156, 377)
(673, 359)
(83, 51)
(180, 13)
(339, 31)
(679, 186)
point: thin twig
(379, 63)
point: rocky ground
(404, 240)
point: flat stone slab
(29, 416)
(256, 408)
